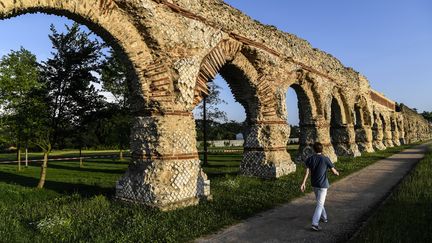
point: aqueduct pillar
(377, 133)
(395, 132)
(265, 149)
(387, 132)
(342, 130)
(166, 171)
(363, 130)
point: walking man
(318, 165)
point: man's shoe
(316, 228)
(324, 220)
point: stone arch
(337, 130)
(117, 29)
(265, 152)
(386, 127)
(401, 129)
(363, 125)
(312, 112)
(241, 76)
(211, 65)
(341, 129)
(394, 130)
(307, 123)
(363, 115)
(377, 132)
(105, 19)
(310, 86)
(306, 108)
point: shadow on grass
(108, 162)
(60, 187)
(84, 169)
(214, 174)
(222, 166)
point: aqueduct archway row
(175, 47)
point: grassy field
(407, 215)
(77, 204)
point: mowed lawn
(78, 206)
(406, 215)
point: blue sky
(388, 41)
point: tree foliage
(213, 101)
(19, 85)
(56, 103)
(69, 75)
(219, 131)
(114, 79)
(427, 115)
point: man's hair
(318, 147)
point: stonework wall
(414, 127)
(174, 47)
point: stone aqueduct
(174, 47)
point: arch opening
(338, 130)
(387, 133)
(304, 128)
(266, 132)
(108, 23)
(106, 109)
(359, 121)
(363, 129)
(228, 118)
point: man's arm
(303, 185)
(333, 169)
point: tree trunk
(26, 156)
(19, 157)
(121, 154)
(81, 158)
(43, 173)
(205, 129)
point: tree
(69, 76)
(71, 97)
(295, 131)
(114, 80)
(213, 100)
(427, 115)
(210, 112)
(19, 76)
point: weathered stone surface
(174, 47)
(166, 168)
(265, 152)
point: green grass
(407, 214)
(77, 204)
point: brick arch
(240, 76)
(256, 93)
(211, 65)
(384, 121)
(305, 79)
(306, 103)
(393, 124)
(336, 100)
(104, 18)
(362, 112)
(342, 134)
(386, 126)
